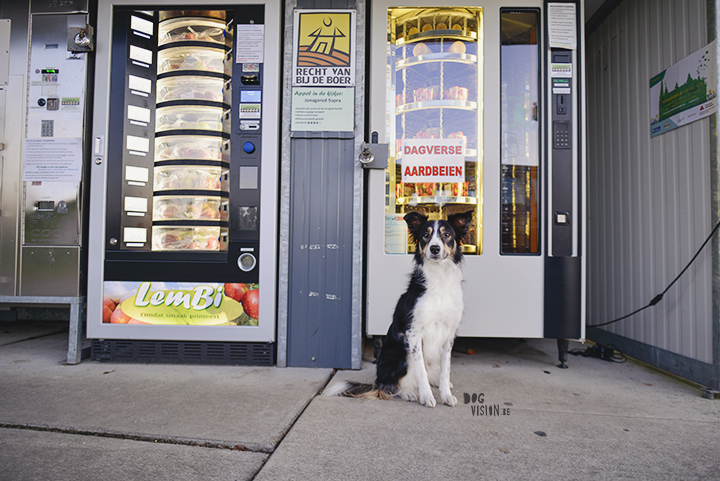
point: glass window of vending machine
(461, 95)
(434, 82)
(183, 193)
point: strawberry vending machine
(480, 107)
(183, 193)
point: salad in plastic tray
(191, 58)
(188, 208)
(192, 88)
(183, 177)
(192, 29)
(189, 147)
(189, 238)
(167, 15)
(191, 118)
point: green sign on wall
(683, 93)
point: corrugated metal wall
(649, 199)
(321, 248)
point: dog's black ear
(414, 221)
(461, 224)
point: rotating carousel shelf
(464, 58)
(436, 104)
(446, 34)
(435, 200)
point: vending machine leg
(563, 345)
(77, 317)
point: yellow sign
(180, 303)
(324, 48)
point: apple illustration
(237, 291)
(119, 317)
(250, 303)
(108, 308)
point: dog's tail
(356, 389)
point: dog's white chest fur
(440, 308)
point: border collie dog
(416, 351)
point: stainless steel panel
(11, 107)
(4, 51)
(51, 214)
(50, 271)
(51, 209)
(49, 51)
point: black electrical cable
(606, 353)
(659, 297)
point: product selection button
(249, 147)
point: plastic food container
(174, 177)
(456, 93)
(192, 29)
(214, 119)
(427, 93)
(191, 58)
(174, 147)
(172, 207)
(166, 15)
(431, 133)
(189, 238)
(192, 88)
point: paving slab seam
(609, 415)
(203, 443)
(287, 431)
(32, 338)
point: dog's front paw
(427, 398)
(448, 399)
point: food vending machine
(184, 182)
(481, 108)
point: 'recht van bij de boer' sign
(324, 48)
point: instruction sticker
(53, 159)
(250, 41)
(562, 25)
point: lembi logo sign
(433, 160)
(180, 303)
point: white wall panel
(649, 199)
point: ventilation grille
(179, 352)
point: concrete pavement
(138, 421)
